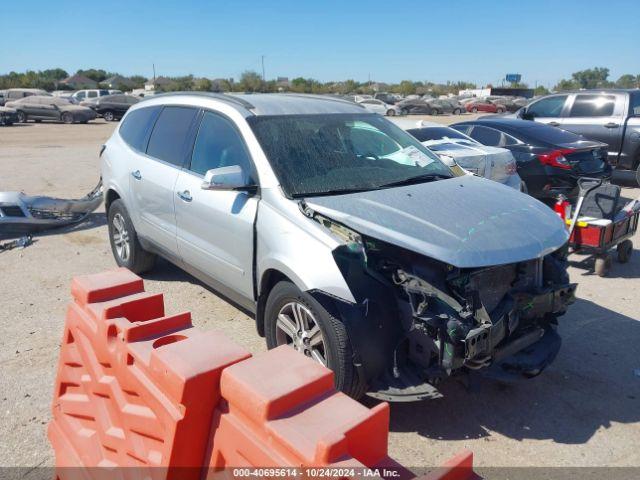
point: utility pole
(263, 77)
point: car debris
(22, 214)
(22, 242)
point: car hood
(464, 221)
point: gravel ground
(583, 411)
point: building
(78, 82)
(117, 81)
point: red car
(484, 106)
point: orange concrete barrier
(139, 388)
(135, 388)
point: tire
(625, 250)
(22, 117)
(474, 110)
(499, 110)
(391, 112)
(602, 265)
(136, 258)
(335, 341)
(457, 111)
(67, 117)
(108, 116)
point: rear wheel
(67, 117)
(625, 250)
(22, 117)
(391, 112)
(295, 318)
(125, 246)
(474, 110)
(457, 111)
(499, 110)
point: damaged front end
(22, 214)
(418, 320)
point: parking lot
(584, 410)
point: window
(104, 92)
(130, 99)
(547, 107)
(218, 144)
(80, 95)
(330, 153)
(435, 133)
(593, 106)
(92, 94)
(634, 106)
(486, 135)
(137, 125)
(169, 138)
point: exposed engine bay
(439, 320)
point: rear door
(598, 117)
(215, 227)
(549, 109)
(154, 175)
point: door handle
(137, 175)
(554, 124)
(186, 195)
(611, 125)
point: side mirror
(526, 115)
(227, 178)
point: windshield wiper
(427, 177)
(341, 191)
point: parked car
(494, 163)
(549, 160)
(8, 116)
(82, 95)
(13, 94)
(609, 116)
(378, 106)
(484, 105)
(113, 107)
(447, 105)
(349, 240)
(388, 98)
(39, 108)
(417, 106)
(510, 103)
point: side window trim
(203, 112)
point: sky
(387, 41)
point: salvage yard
(584, 410)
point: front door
(215, 227)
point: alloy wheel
(120, 237)
(297, 327)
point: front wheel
(67, 117)
(125, 246)
(295, 318)
(474, 110)
(108, 116)
(391, 112)
(499, 110)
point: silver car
(344, 236)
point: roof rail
(321, 97)
(220, 96)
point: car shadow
(591, 385)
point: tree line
(251, 81)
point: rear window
(137, 125)
(593, 106)
(549, 134)
(435, 133)
(169, 139)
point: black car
(549, 160)
(113, 107)
(418, 106)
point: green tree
(407, 87)
(628, 81)
(204, 85)
(541, 90)
(592, 77)
(251, 81)
(55, 73)
(93, 74)
(137, 81)
(565, 84)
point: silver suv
(348, 239)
